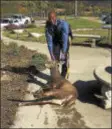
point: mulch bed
(14, 83)
(14, 88)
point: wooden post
(76, 8)
(93, 45)
(109, 35)
(17, 35)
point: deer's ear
(55, 63)
(49, 64)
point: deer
(60, 91)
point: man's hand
(62, 56)
(52, 57)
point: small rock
(29, 97)
(6, 78)
(33, 88)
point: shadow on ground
(31, 71)
(109, 46)
(106, 45)
(88, 90)
(81, 44)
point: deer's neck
(55, 74)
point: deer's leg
(53, 92)
(39, 94)
(48, 97)
(69, 100)
(52, 101)
(47, 92)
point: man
(57, 36)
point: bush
(12, 27)
(21, 56)
(104, 40)
(38, 60)
(31, 26)
(13, 49)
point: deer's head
(52, 64)
(54, 69)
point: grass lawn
(38, 29)
(42, 39)
(103, 33)
(25, 36)
(74, 22)
(83, 23)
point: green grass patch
(24, 37)
(40, 29)
(38, 60)
(83, 23)
(42, 39)
(80, 22)
(31, 26)
(102, 33)
(74, 22)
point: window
(5, 21)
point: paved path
(85, 113)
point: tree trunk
(76, 11)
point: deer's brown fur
(60, 88)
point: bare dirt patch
(10, 89)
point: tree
(22, 9)
(81, 8)
(30, 5)
(37, 6)
(76, 8)
(44, 7)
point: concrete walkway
(85, 113)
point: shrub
(31, 26)
(21, 56)
(12, 26)
(13, 49)
(104, 40)
(38, 60)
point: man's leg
(65, 67)
(68, 66)
(56, 51)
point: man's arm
(65, 35)
(49, 42)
